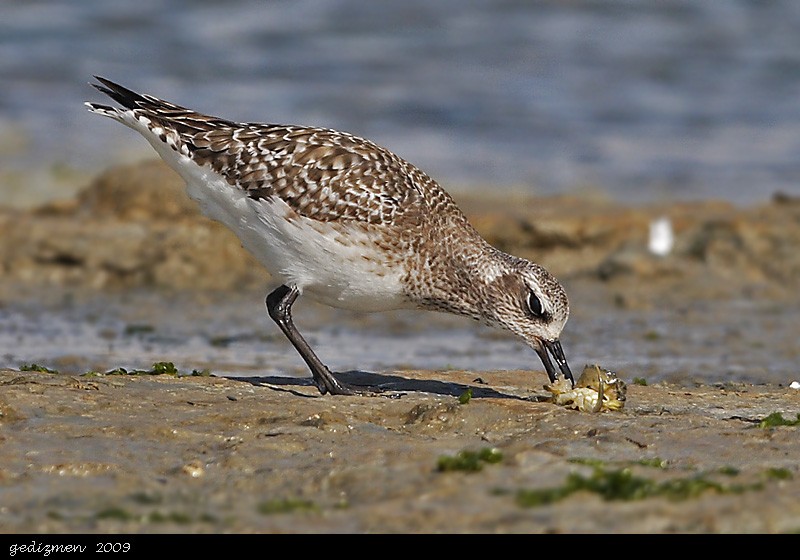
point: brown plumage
(347, 222)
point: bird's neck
(461, 283)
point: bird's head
(532, 304)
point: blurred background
(670, 131)
(687, 109)
(645, 101)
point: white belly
(332, 265)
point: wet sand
(205, 454)
(162, 453)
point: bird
(347, 223)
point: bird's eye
(534, 305)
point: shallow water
(704, 341)
(646, 100)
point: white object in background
(794, 385)
(661, 237)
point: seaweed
(623, 485)
(469, 461)
(137, 329)
(655, 462)
(777, 419)
(115, 513)
(159, 368)
(164, 368)
(286, 505)
(777, 473)
(171, 517)
(36, 367)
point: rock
(134, 226)
(633, 258)
(144, 191)
(144, 457)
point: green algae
(469, 461)
(777, 419)
(286, 505)
(623, 485)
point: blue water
(709, 342)
(645, 100)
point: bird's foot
(328, 384)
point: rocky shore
(161, 453)
(133, 226)
(453, 451)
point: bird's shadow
(391, 386)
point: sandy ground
(160, 453)
(203, 454)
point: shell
(596, 390)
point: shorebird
(347, 223)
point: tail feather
(122, 95)
(160, 122)
(132, 101)
(166, 114)
(129, 99)
(102, 109)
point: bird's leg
(279, 306)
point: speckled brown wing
(320, 173)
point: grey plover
(347, 223)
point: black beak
(554, 348)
